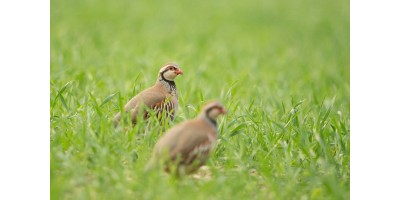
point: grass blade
(107, 99)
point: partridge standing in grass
(186, 146)
(162, 97)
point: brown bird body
(161, 97)
(187, 145)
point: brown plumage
(186, 146)
(161, 97)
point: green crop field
(280, 67)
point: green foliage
(280, 67)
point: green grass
(280, 67)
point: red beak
(178, 71)
(223, 111)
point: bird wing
(150, 97)
(194, 143)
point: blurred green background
(281, 68)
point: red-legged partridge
(186, 146)
(161, 97)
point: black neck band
(209, 118)
(170, 83)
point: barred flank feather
(166, 106)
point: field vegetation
(280, 67)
